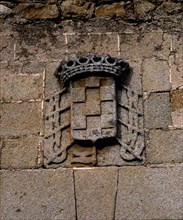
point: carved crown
(88, 65)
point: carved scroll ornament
(90, 110)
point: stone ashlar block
(76, 9)
(176, 74)
(177, 118)
(7, 46)
(4, 10)
(9, 67)
(20, 118)
(169, 8)
(115, 9)
(156, 75)
(157, 110)
(177, 107)
(177, 99)
(176, 62)
(21, 153)
(165, 146)
(95, 193)
(92, 43)
(37, 194)
(134, 81)
(34, 67)
(42, 46)
(37, 11)
(150, 193)
(21, 87)
(142, 8)
(145, 45)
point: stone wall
(146, 10)
(34, 37)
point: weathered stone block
(21, 87)
(176, 62)
(33, 67)
(115, 9)
(134, 81)
(165, 146)
(16, 67)
(20, 118)
(7, 46)
(176, 74)
(77, 9)
(46, 44)
(37, 11)
(20, 153)
(156, 75)
(145, 45)
(33, 194)
(141, 8)
(150, 193)
(5, 10)
(92, 43)
(177, 99)
(177, 118)
(169, 8)
(10, 67)
(177, 107)
(95, 193)
(157, 110)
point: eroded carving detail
(57, 128)
(92, 65)
(92, 107)
(130, 120)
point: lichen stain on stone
(177, 99)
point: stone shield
(93, 108)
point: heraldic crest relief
(93, 108)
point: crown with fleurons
(83, 66)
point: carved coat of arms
(88, 111)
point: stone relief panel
(94, 110)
